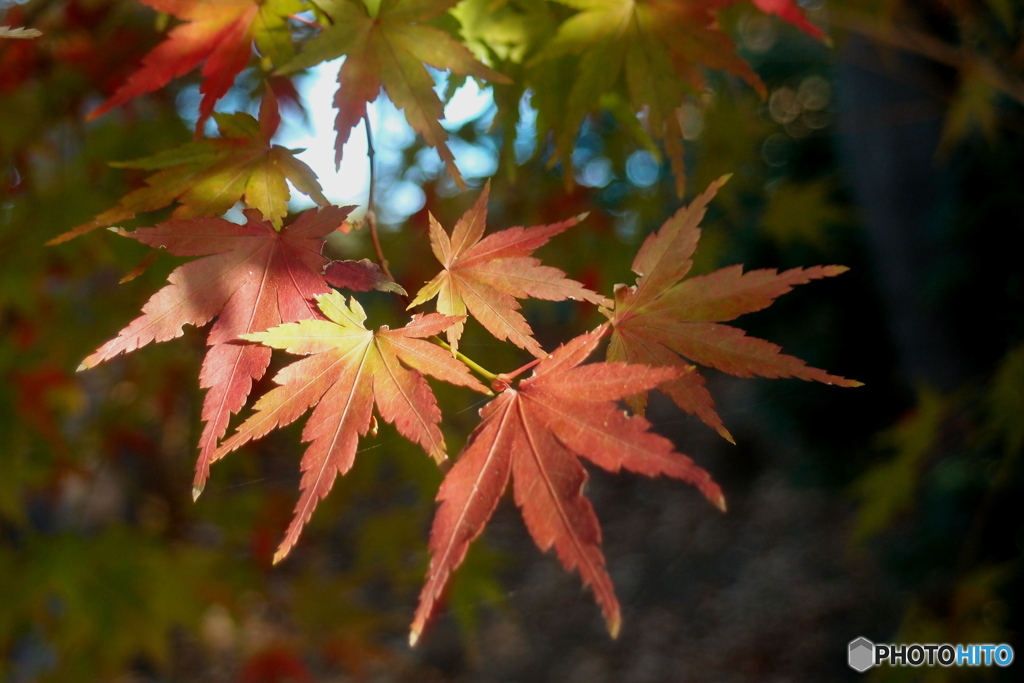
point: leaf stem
(307, 22)
(505, 378)
(371, 217)
(472, 364)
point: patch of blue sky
(399, 191)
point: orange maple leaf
(534, 435)
(665, 320)
(483, 276)
(347, 370)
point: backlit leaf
(349, 369)
(665, 320)
(19, 32)
(483, 276)
(653, 53)
(391, 49)
(218, 34)
(788, 10)
(534, 436)
(251, 278)
(207, 177)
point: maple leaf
(653, 53)
(348, 370)
(788, 10)
(361, 276)
(534, 435)
(19, 32)
(485, 275)
(207, 177)
(219, 33)
(251, 277)
(666, 321)
(390, 49)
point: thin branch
(925, 45)
(371, 216)
(371, 221)
(307, 22)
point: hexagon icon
(861, 654)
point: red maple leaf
(251, 278)
(788, 10)
(534, 435)
(218, 32)
(485, 275)
(666, 321)
(348, 370)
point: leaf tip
(82, 367)
(614, 626)
(197, 491)
(720, 502)
(414, 637)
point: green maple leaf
(509, 33)
(391, 48)
(206, 177)
(651, 53)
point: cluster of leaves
(627, 57)
(260, 284)
(266, 284)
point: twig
(371, 217)
(920, 43)
(307, 22)
(371, 221)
